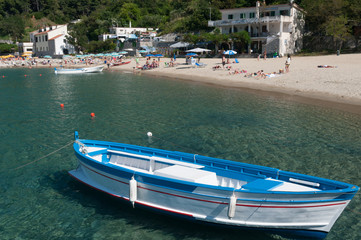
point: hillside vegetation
(337, 19)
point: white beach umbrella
(198, 50)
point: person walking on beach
(265, 54)
(288, 63)
(223, 61)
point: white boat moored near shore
(78, 70)
(211, 190)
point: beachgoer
(265, 54)
(223, 61)
(288, 63)
(136, 61)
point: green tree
(191, 38)
(77, 35)
(8, 48)
(338, 28)
(129, 12)
(216, 38)
(13, 26)
(99, 47)
(242, 39)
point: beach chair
(201, 65)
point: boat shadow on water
(115, 208)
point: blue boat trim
(348, 189)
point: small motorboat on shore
(95, 69)
(211, 190)
(119, 63)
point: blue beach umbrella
(191, 54)
(47, 56)
(229, 52)
(149, 55)
(158, 55)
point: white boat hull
(79, 70)
(304, 213)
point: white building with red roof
(51, 41)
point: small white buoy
(149, 134)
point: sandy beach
(340, 83)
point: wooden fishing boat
(215, 191)
(120, 63)
(95, 69)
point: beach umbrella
(143, 51)
(158, 55)
(47, 56)
(229, 52)
(191, 54)
(149, 55)
(200, 50)
(123, 52)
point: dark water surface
(41, 201)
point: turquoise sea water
(41, 201)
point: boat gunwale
(347, 188)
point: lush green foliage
(335, 18)
(7, 48)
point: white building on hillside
(25, 49)
(273, 28)
(126, 33)
(51, 41)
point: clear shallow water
(41, 201)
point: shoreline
(309, 99)
(337, 86)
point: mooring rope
(43, 156)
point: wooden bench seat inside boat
(188, 174)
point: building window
(273, 13)
(36, 39)
(46, 37)
(284, 12)
(242, 15)
(252, 15)
(230, 16)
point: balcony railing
(223, 23)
